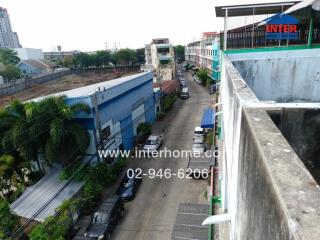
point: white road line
(196, 214)
(187, 225)
(186, 238)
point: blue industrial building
(118, 107)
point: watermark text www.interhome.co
(161, 153)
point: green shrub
(168, 102)
(161, 115)
(143, 130)
(203, 76)
(96, 179)
(53, 228)
(8, 221)
(119, 165)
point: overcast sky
(89, 25)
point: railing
(244, 37)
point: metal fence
(255, 36)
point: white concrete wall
(235, 96)
(281, 76)
(29, 53)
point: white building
(202, 54)
(148, 56)
(161, 52)
(8, 38)
(16, 41)
(160, 58)
(29, 53)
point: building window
(105, 133)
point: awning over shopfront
(208, 118)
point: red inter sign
(281, 28)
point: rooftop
(63, 84)
(254, 9)
(43, 198)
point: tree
(103, 58)
(140, 55)
(46, 126)
(63, 139)
(203, 75)
(67, 61)
(179, 53)
(8, 56)
(11, 72)
(8, 221)
(125, 56)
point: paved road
(151, 215)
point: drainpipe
(217, 219)
(310, 35)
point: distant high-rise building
(8, 38)
(16, 41)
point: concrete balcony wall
(266, 188)
(277, 196)
(281, 76)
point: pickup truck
(153, 143)
(105, 219)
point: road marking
(187, 225)
(186, 238)
(197, 214)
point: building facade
(160, 58)
(148, 56)
(161, 52)
(117, 108)
(204, 54)
(59, 55)
(8, 38)
(29, 53)
(34, 67)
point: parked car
(197, 80)
(184, 93)
(198, 147)
(128, 187)
(198, 132)
(105, 219)
(198, 139)
(153, 143)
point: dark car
(128, 187)
(105, 219)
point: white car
(198, 132)
(198, 147)
(198, 139)
(153, 143)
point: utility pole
(97, 118)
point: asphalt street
(151, 215)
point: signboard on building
(282, 27)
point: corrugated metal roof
(103, 86)
(254, 9)
(43, 198)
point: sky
(90, 25)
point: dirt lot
(62, 84)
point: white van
(198, 133)
(184, 93)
